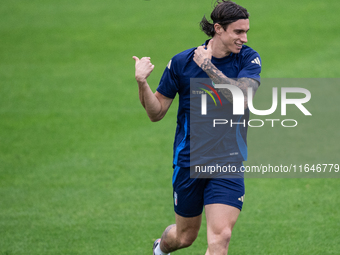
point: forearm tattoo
(219, 78)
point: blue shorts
(191, 194)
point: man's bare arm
(155, 104)
(202, 58)
(219, 78)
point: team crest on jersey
(169, 64)
(175, 198)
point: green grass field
(83, 170)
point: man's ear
(218, 28)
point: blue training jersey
(176, 79)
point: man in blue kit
(225, 60)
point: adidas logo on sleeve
(256, 61)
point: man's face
(235, 35)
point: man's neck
(219, 50)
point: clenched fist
(203, 53)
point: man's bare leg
(180, 235)
(220, 223)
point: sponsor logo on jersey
(256, 61)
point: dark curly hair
(224, 13)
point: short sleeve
(251, 67)
(169, 85)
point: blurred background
(84, 171)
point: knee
(220, 240)
(187, 239)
